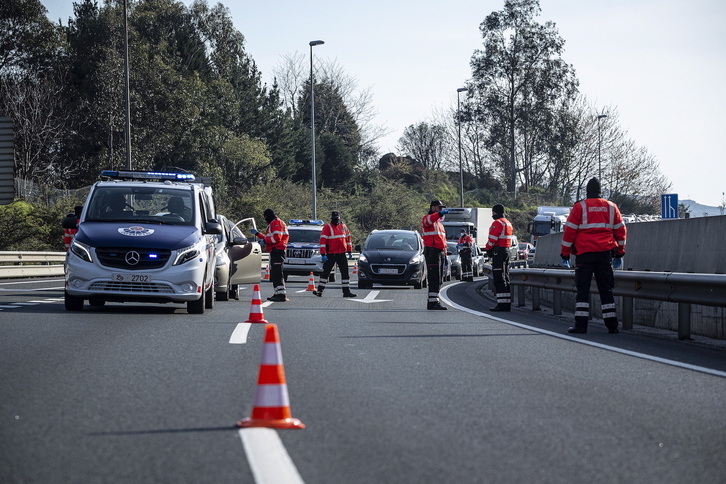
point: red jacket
(433, 232)
(594, 225)
(465, 241)
(276, 235)
(335, 239)
(500, 234)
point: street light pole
(126, 88)
(599, 142)
(313, 43)
(458, 122)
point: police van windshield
(141, 204)
(391, 242)
(304, 236)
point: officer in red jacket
(276, 237)
(464, 246)
(334, 244)
(434, 239)
(498, 243)
(594, 232)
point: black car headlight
(82, 250)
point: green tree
(522, 84)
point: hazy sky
(660, 63)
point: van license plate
(131, 277)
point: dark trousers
(599, 265)
(467, 272)
(342, 262)
(277, 257)
(435, 271)
(500, 274)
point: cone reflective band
(272, 403)
(256, 315)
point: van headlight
(82, 250)
(186, 254)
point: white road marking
(268, 458)
(582, 341)
(239, 335)
(371, 298)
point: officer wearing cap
(434, 239)
(334, 243)
(498, 243)
(275, 237)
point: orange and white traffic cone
(311, 283)
(266, 277)
(256, 315)
(271, 407)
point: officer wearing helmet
(497, 248)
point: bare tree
(427, 144)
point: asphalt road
(389, 393)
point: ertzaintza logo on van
(135, 231)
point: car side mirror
(357, 248)
(213, 227)
(240, 241)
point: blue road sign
(669, 206)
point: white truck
(549, 220)
(471, 219)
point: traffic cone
(311, 283)
(256, 315)
(267, 273)
(271, 406)
(355, 268)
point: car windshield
(305, 236)
(522, 246)
(392, 242)
(141, 204)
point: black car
(392, 257)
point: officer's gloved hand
(254, 231)
(566, 263)
(617, 263)
(350, 255)
(444, 211)
(325, 258)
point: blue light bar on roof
(147, 175)
(297, 221)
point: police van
(144, 237)
(303, 249)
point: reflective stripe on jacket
(594, 225)
(276, 235)
(500, 234)
(433, 232)
(335, 239)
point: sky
(660, 63)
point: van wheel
(196, 306)
(73, 303)
(209, 298)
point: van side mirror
(213, 227)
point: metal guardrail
(681, 288)
(31, 264)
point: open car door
(245, 255)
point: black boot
(278, 298)
(349, 294)
(501, 307)
(319, 292)
(436, 306)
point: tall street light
(313, 43)
(599, 142)
(126, 88)
(458, 122)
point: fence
(31, 264)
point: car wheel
(196, 306)
(96, 302)
(222, 296)
(332, 277)
(284, 277)
(73, 303)
(364, 285)
(234, 292)
(209, 298)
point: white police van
(144, 237)
(303, 249)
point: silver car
(238, 260)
